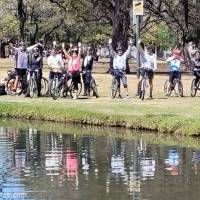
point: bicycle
(32, 84)
(75, 87)
(93, 87)
(194, 88)
(9, 88)
(169, 87)
(115, 83)
(144, 85)
(44, 87)
(54, 86)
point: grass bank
(131, 114)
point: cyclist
(196, 64)
(55, 64)
(119, 64)
(87, 65)
(74, 63)
(174, 64)
(21, 63)
(148, 65)
(35, 63)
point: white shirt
(148, 61)
(119, 62)
(55, 62)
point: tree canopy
(95, 20)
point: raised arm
(128, 51)
(66, 52)
(140, 49)
(15, 49)
(155, 62)
(33, 46)
(112, 52)
(79, 49)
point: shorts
(121, 75)
(149, 72)
(174, 75)
(20, 72)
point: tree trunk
(121, 23)
(22, 18)
(2, 49)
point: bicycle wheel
(54, 91)
(114, 88)
(32, 88)
(171, 87)
(180, 88)
(44, 87)
(64, 92)
(10, 87)
(143, 89)
(94, 88)
(165, 86)
(75, 90)
(193, 90)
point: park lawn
(173, 115)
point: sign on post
(138, 7)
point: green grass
(131, 114)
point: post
(138, 10)
(137, 39)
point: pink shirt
(74, 65)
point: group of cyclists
(30, 59)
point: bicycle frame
(34, 74)
(144, 84)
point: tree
(159, 35)
(181, 16)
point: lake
(87, 163)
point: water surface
(45, 165)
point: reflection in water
(36, 165)
(173, 161)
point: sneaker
(127, 97)
(151, 97)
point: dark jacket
(35, 63)
(89, 64)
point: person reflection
(117, 159)
(148, 168)
(173, 161)
(71, 163)
(195, 160)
